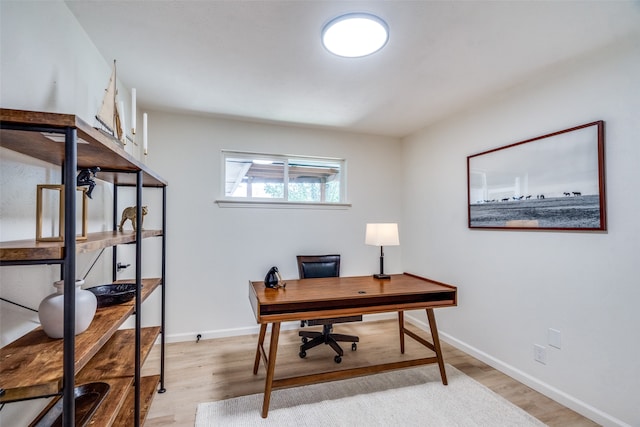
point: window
(270, 178)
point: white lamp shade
(385, 234)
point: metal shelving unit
(67, 141)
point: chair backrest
(310, 266)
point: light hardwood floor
(219, 369)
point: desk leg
(263, 331)
(271, 367)
(436, 344)
(401, 325)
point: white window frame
(227, 201)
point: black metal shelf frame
(68, 267)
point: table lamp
(385, 234)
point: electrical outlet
(555, 338)
(540, 354)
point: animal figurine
(130, 213)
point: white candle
(145, 135)
(133, 111)
(124, 127)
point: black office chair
(314, 266)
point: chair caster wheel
(337, 359)
(354, 347)
(302, 354)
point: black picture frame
(551, 182)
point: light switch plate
(555, 338)
(540, 354)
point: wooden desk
(342, 296)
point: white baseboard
(216, 333)
(551, 392)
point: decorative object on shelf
(113, 294)
(133, 112)
(40, 214)
(85, 177)
(385, 234)
(145, 135)
(88, 398)
(51, 310)
(122, 122)
(108, 115)
(552, 182)
(131, 214)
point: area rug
(409, 397)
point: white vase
(51, 310)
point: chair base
(326, 337)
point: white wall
(514, 285)
(213, 251)
(48, 63)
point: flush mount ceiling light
(355, 34)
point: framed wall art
(552, 182)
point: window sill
(280, 204)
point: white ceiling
(263, 60)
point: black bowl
(113, 294)
(88, 397)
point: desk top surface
(330, 296)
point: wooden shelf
(120, 347)
(28, 132)
(107, 367)
(30, 250)
(113, 402)
(148, 389)
(32, 365)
